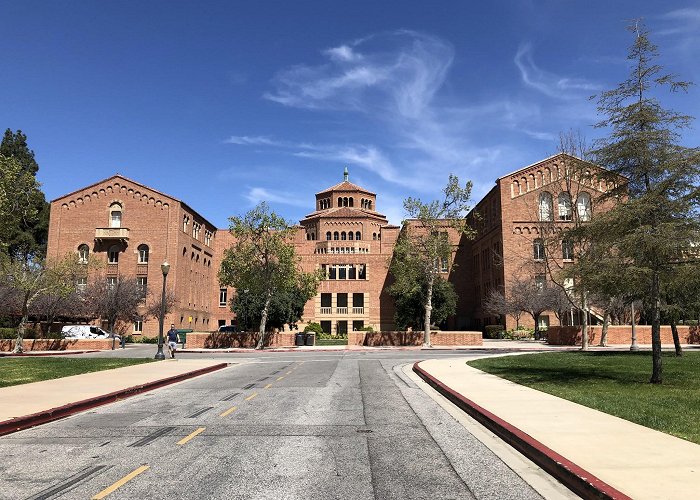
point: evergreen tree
(655, 226)
(26, 238)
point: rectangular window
(341, 327)
(223, 297)
(352, 272)
(115, 219)
(138, 326)
(540, 281)
(111, 282)
(81, 285)
(331, 273)
(358, 325)
(142, 285)
(342, 300)
(326, 299)
(326, 326)
(362, 274)
(567, 250)
(342, 272)
(324, 268)
(358, 300)
(444, 264)
(222, 322)
(113, 255)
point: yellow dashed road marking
(280, 378)
(121, 482)
(191, 436)
(251, 396)
(228, 412)
(268, 386)
(289, 372)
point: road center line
(228, 412)
(251, 396)
(191, 436)
(121, 482)
(280, 378)
(289, 372)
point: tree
(424, 242)
(409, 295)
(263, 262)
(116, 299)
(28, 234)
(286, 307)
(18, 188)
(32, 277)
(654, 228)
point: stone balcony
(111, 233)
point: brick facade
(7, 345)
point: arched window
(143, 254)
(336, 235)
(113, 254)
(545, 205)
(83, 253)
(374, 236)
(313, 236)
(538, 249)
(583, 206)
(350, 235)
(351, 201)
(115, 215)
(328, 236)
(564, 202)
(308, 236)
(340, 202)
(358, 235)
(369, 204)
(343, 236)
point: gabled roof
(345, 186)
(548, 159)
(143, 186)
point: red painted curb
(577, 479)
(27, 421)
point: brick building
(133, 228)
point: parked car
(85, 332)
(227, 329)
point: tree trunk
(22, 324)
(536, 318)
(428, 311)
(263, 321)
(676, 339)
(584, 323)
(604, 331)
(657, 367)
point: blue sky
(224, 104)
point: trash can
(299, 339)
(310, 339)
(182, 335)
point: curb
(577, 479)
(42, 417)
(30, 354)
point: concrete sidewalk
(639, 462)
(28, 399)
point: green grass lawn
(331, 341)
(15, 371)
(615, 383)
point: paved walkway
(640, 462)
(27, 399)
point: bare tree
(115, 299)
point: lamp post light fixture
(164, 267)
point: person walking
(172, 340)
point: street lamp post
(164, 267)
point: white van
(84, 332)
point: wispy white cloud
(681, 21)
(550, 84)
(257, 194)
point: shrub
(314, 328)
(521, 333)
(367, 329)
(493, 332)
(8, 333)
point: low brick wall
(7, 345)
(415, 338)
(245, 340)
(620, 334)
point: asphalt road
(299, 425)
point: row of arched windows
(343, 235)
(113, 254)
(345, 201)
(365, 203)
(565, 212)
(324, 204)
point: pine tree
(655, 226)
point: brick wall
(415, 338)
(204, 340)
(620, 335)
(7, 345)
